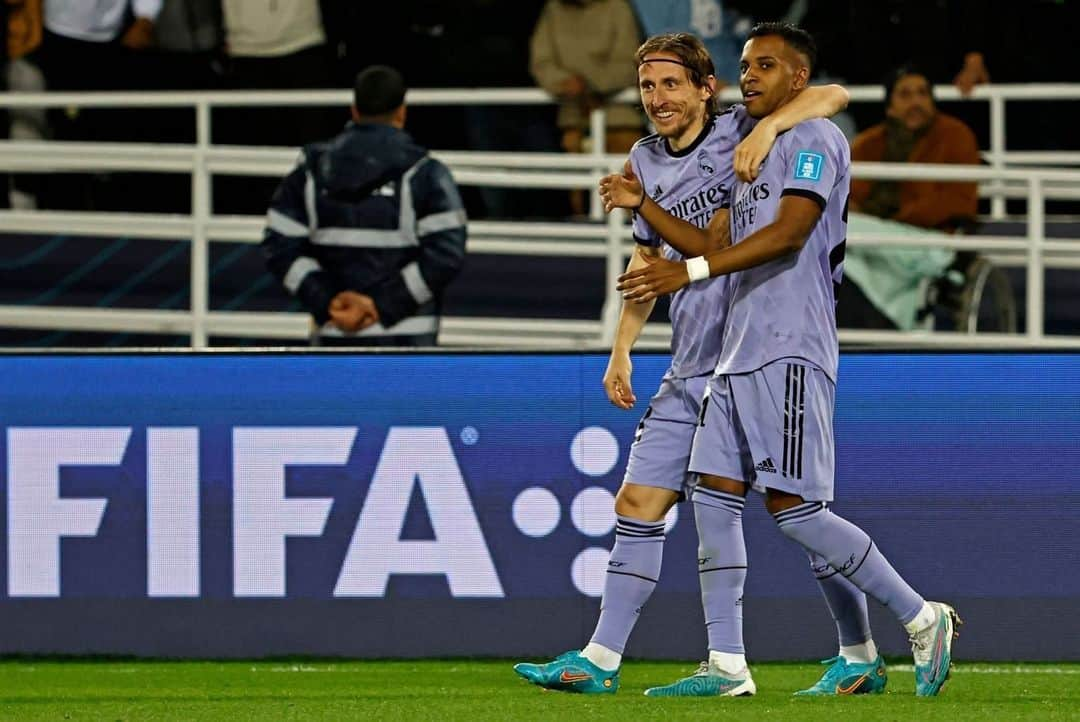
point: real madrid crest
(705, 165)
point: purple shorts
(771, 428)
(660, 453)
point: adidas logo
(657, 191)
(766, 466)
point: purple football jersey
(692, 184)
(786, 308)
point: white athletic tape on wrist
(697, 268)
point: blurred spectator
(493, 52)
(887, 287)
(721, 28)
(189, 35)
(83, 44)
(271, 45)
(276, 45)
(25, 27)
(368, 230)
(914, 131)
(582, 53)
(85, 47)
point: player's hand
(140, 35)
(573, 87)
(617, 381)
(621, 190)
(351, 311)
(973, 73)
(751, 152)
(656, 279)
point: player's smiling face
(673, 103)
(770, 73)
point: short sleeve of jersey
(643, 232)
(814, 161)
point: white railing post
(598, 132)
(1034, 250)
(997, 153)
(200, 216)
(1036, 232)
(609, 316)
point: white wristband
(697, 268)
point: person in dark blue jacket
(368, 229)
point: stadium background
(963, 466)
(465, 505)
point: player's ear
(709, 87)
(801, 78)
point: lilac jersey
(786, 308)
(692, 184)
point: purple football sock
(852, 553)
(633, 568)
(847, 603)
(721, 566)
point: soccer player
(688, 165)
(767, 418)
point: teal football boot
(844, 677)
(570, 672)
(932, 649)
(708, 681)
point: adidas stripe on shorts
(770, 428)
(660, 453)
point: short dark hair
(691, 51)
(903, 71)
(378, 90)
(793, 35)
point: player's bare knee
(647, 503)
(777, 501)
(720, 483)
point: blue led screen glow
(461, 504)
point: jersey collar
(697, 141)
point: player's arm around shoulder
(806, 162)
(820, 101)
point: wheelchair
(971, 295)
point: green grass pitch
(483, 689)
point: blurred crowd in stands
(578, 50)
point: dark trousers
(289, 126)
(855, 310)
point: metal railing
(610, 240)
